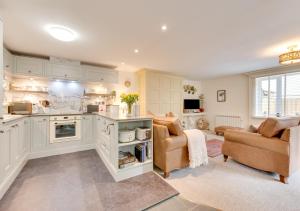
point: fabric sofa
(170, 145)
(274, 148)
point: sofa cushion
(173, 124)
(273, 126)
(175, 142)
(285, 136)
(257, 140)
(220, 130)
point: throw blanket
(197, 148)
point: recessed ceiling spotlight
(136, 51)
(61, 33)
(164, 27)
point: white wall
(237, 98)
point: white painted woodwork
(5, 159)
(1, 68)
(62, 71)
(8, 61)
(160, 93)
(30, 66)
(39, 133)
(99, 74)
(87, 129)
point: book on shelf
(126, 159)
(141, 152)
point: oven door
(61, 131)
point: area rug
(81, 182)
(214, 147)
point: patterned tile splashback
(62, 95)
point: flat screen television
(191, 104)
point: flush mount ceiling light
(136, 51)
(291, 57)
(164, 27)
(61, 33)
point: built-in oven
(65, 128)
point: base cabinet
(87, 130)
(39, 133)
(14, 149)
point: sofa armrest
(238, 134)
(294, 149)
(160, 132)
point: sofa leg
(166, 174)
(283, 179)
(225, 158)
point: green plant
(129, 99)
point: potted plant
(129, 99)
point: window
(278, 95)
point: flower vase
(129, 110)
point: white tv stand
(189, 120)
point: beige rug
(232, 186)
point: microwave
(20, 108)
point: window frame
(282, 70)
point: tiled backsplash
(62, 95)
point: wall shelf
(98, 95)
(194, 114)
(29, 91)
(133, 142)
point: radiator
(229, 120)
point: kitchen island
(108, 145)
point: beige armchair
(275, 148)
(170, 151)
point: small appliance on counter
(21, 108)
(126, 136)
(92, 108)
(143, 133)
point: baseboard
(60, 151)
(4, 186)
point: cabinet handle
(29, 71)
(44, 119)
(101, 79)
(66, 75)
(1, 131)
(7, 66)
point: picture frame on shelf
(221, 96)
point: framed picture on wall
(221, 95)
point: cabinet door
(39, 133)
(5, 157)
(87, 129)
(15, 145)
(64, 71)
(99, 74)
(8, 61)
(29, 66)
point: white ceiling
(204, 38)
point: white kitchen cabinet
(64, 71)
(1, 68)
(5, 146)
(39, 133)
(8, 61)
(30, 66)
(87, 129)
(160, 93)
(100, 74)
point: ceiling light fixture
(291, 57)
(164, 27)
(61, 33)
(136, 51)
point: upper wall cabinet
(8, 61)
(63, 71)
(29, 66)
(100, 74)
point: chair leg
(166, 174)
(225, 158)
(283, 179)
